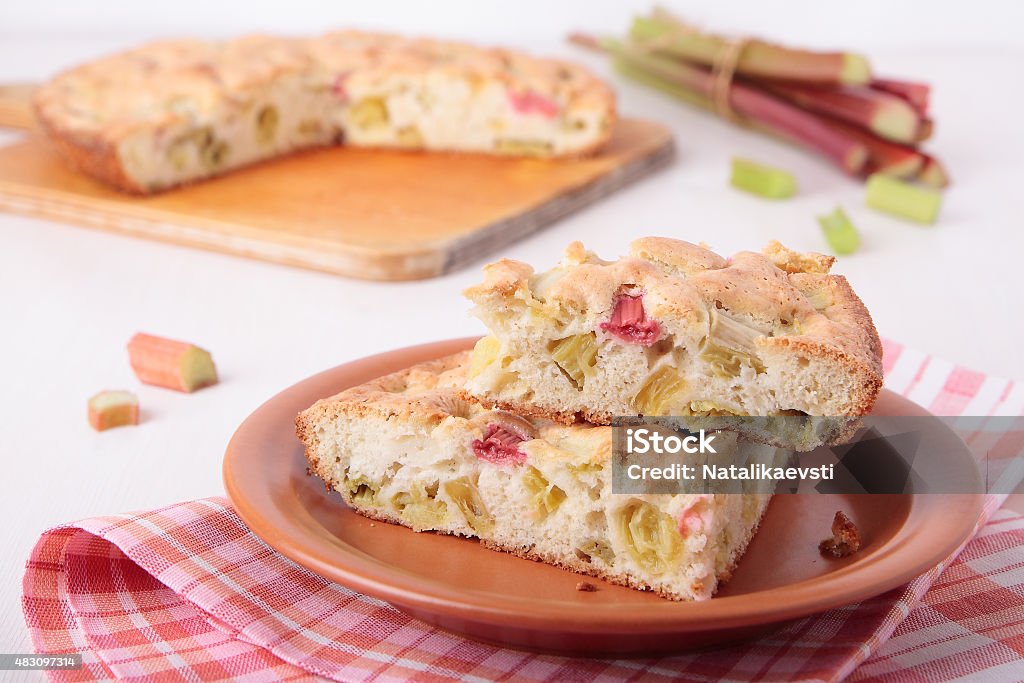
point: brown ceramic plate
(458, 585)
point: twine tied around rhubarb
(723, 69)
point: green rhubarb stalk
(764, 181)
(758, 59)
(627, 69)
(839, 232)
(886, 115)
(754, 106)
(895, 197)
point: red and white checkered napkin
(188, 592)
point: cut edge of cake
(759, 334)
(393, 446)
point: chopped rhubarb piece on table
(170, 364)
(903, 200)
(629, 322)
(500, 445)
(109, 409)
(764, 181)
(839, 232)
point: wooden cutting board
(379, 215)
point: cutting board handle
(16, 105)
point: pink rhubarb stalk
(925, 131)
(933, 173)
(886, 115)
(884, 156)
(754, 106)
(917, 94)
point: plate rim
(375, 578)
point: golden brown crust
(677, 255)
(537, 412)
(408, 394)
(427, 394)
(795, 262)
(89, 151)
(838, 433)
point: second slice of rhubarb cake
(674, 329)
(407, 449)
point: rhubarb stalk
(890, 158)
(888, 116)
(755, 106)
(917, 94)
(933, 174)
(826, 102)
(664, 33)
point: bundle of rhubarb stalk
(827, 102)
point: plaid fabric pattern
(186, 592)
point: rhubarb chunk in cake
(674, 329)
(407, 449)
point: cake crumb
(845, 537)
(586, 587)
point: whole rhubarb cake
(176, 111)
(674, 329)
(406, 448)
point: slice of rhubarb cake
(674, 329)
(406, 448)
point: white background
(70, 298)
